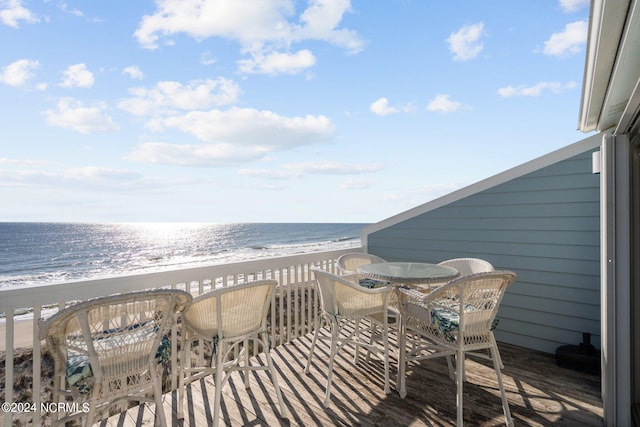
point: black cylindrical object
(583, 357)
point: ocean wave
(72, 252)
(345, 239)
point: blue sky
(276, 110)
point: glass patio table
(406, 274)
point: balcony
(539, 392)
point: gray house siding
(544, 225)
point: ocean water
(43, 253)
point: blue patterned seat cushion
(448, 321)
(78, 369)
(79, 373)
(372, 283)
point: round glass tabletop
(408, 272)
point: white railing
(293, 307)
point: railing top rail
(31, 295)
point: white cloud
(12, 11)
(204, 155)
(381, 107)
(169, 97)
(247, 126)
(134, 72)
(356, 184)
(321, 20)
(207, 59)
(77, 76)
(573, 5)
(72, 114)
(65, 8)
(466, 43)
(12, 162)
(535, 90)
(100, 173)
(88, 177)
(261, 28)
(299, 170)
(244, 20)
(569, 41)
(232, 136)
(444, 104)
(19, 72)
(277, 63)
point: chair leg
(91, 415)
(495, 355)
(373, 331)
(160, 418)
(313, 344)
(245, 373)
(385, 342)
(56, 398)
(218, 384)
(332, 354)
(402, 360)
(459, 388)
(452, 372)
(274, 378)
(184, 357)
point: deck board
(539, 392)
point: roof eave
(606, 25)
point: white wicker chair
(467, 266)
(348, 264)
(344, 302)
(456, 319)
(228, 317)
(107, 350)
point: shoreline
(22, 335)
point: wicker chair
(344, 302)
(226, 318)
(349, 263)
(467, 266)
(107, 350)
(456, 319)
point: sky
(222, 111)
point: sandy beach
(22, 337)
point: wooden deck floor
(539, 392)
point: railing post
(37, 362)
(8, 363)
